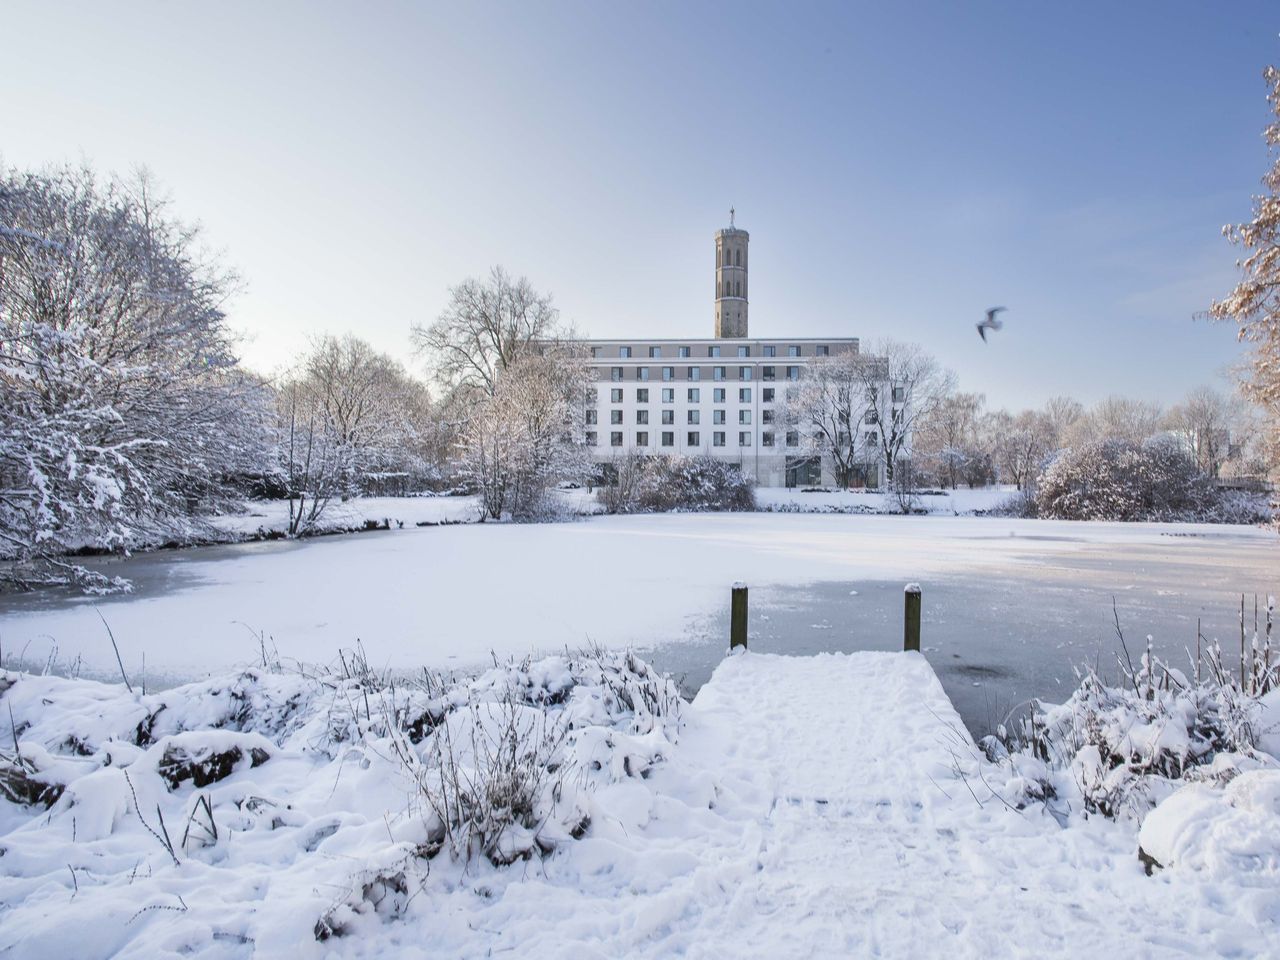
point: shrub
(694, 483)
(1123, 480)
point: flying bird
(991, 323)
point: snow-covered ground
(946, 502)
(830, 806)
(449, 595)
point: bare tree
(829, 404)
(902, 388)
(1116, 418)
(1060, 414)
(1255, 302)
(947, 441)
(348, 415)
(1022, 445)
(124, 417)
(487, 325)
(1203, 423)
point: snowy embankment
(941, 503)
(826, 806)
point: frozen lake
(1010, 606)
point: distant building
(723, 396)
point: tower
(731, 280)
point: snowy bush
(1114, 479)
(433, 771)
(1118, 749)
(667, 483)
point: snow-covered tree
(124, 417)
(1203, 422)
(526, 436)
(902, 392)
(1021, 445)
(947, 442)
(1255, 302)
(1115, 418)
(828, 406)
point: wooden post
(911, 618)
(738, 616)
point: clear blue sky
(901, 167)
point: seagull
(991, 323)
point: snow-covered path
(838, 827)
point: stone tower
(731, 281)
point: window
(683, 351)
(694, 417)
(615, 438)
(668, 395)
(744, 395)
(717, 395)
(717, 439)
(615, 374)
(591, 438)
(870, 417)
(766, 439)
(713, 351)
(744, 438)
(591, 417)
(770, 351)
(642, 373)
(615, 416)
(597, 352)
(668, 438)
(615, 395)
(642, 438)
(695, 373)
(737, 288)
(624, 352)
(668, 417)
(793, 351)
(744, 417)
(717, 416)
(737, 258)
(693, 438)
(695, 395)
(793, 438)
(642, 395)
(873, 437)
(668, 373)
(766, 395)
(793, 373)
(766, 416)
(822, 350)
(655, 351)
(642, 416)
(871, 393)
(717, 373)
(767, 373)
(899, 394)
(593, 396)
(744, 373)
(744, 351)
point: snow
(1228, 833)
(948, 502)
(824, 806)
(449, 595)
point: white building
(723, 396)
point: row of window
(722, 258)
(667, 438)
(734, 289)
(822, 350)
(692, 395)
(618, 374)
(669, 417)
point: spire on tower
(731, 217)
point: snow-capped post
(738, 616)
(911, 618)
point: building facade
(724, 396)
